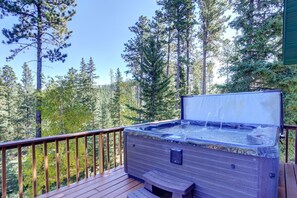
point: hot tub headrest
(248, 107)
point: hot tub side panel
(215, 173)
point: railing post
(94, 154)
(4, 172)
(114, 150)
(295, 146)
(121, 146)
(107, 151)
(68, 161)
(76, 158)
(45, 166)
(287, 144)
(57, 165)
(101, 153)
(20, 177)
(34, 170)
(86, 157)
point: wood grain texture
(20, 177)
(45, 166)
(3, 172)
(112, 183)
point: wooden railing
(98, 137)
(290, 134)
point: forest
(175, 53)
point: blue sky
(100, 31)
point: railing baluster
(295, 146)
(68, 161)
(107, 150)
(104, 155)
(86, 157)
(76, 158)
(101, 153)
(57, 165)
(45, 166)
(20, 176)
(34, 169)
(94, 154)
(120, 146)
(4, 172)
(287, 144)
(114, 150)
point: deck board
(287, 181)
(116, 183)
(113, 183)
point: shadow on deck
(116, 183)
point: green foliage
(62, 110)
(258, 45)
(9, 104)
(39, 20)
(87, 90)
(42, 26)
(117, 101)
(26, 101)
(211, 28)
(156, 93)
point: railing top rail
(36, 141)
(290, 126)
(15, 144)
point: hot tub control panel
(176, 156)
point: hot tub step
(178, 187)
(141, 193)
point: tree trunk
(39, 72)
(188, 62)
(178, 68)
(204, 60)
(168, 51)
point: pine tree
(26, 103)
(156, 96)
(63, 112)
(9, 84)
(117, 100)
(42, 25)
(179, 14)
(211, 19)
(3, 111)
(258, 45)
(133, 54)
(87, 89)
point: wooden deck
(115, 183)
(287, 181)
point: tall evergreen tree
(156, 96)
(211, 19)
(258, 45)
(133, 55)
(9, 84)
(117, 100)
(42, 26)
(26, 103)
(179, 13)
(3, 110)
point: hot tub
(225, 155)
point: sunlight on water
(219, 134)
